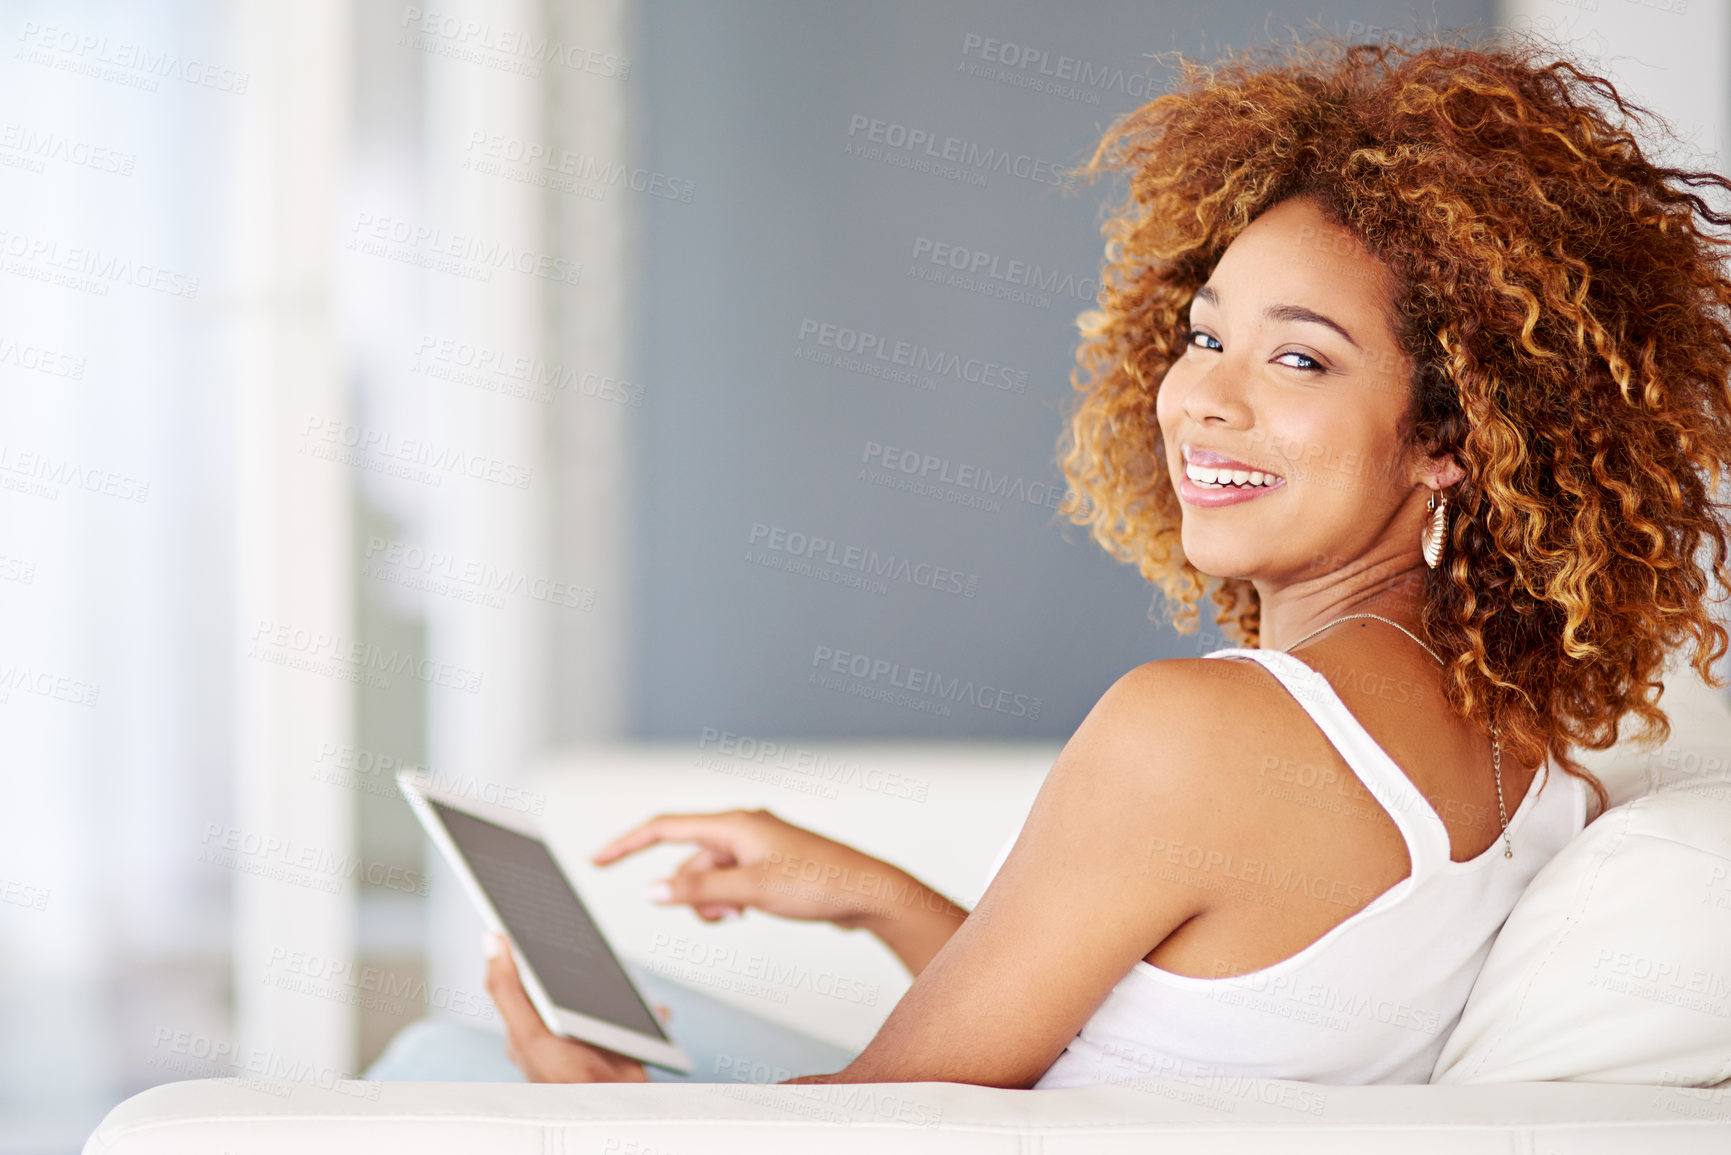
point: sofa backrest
(1697, 750)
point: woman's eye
(1209, 343)
(1308, 363)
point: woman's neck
(1393, 589)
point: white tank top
(1372, 1000)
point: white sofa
(941, 811)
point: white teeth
(1203, 475)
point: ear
(1441, 471)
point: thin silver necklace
(1496, 743)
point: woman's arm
(916, 927)
(752, 858)
(999, 993)
(1073, 908)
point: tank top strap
(1427, 840)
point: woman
(1422, 366)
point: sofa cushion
(1615, 965)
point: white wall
(294, 554)
(1669, 55)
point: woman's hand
(752, 858)
(540, 1054)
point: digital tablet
(570, 972)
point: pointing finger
(717, 832)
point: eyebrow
(1285, 313)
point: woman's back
(1301, 800)
(1352, 905)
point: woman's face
(1291, 370)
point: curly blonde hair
(1563, 300)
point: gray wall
(753, 103)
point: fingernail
(729, 914)
(491, 944)
(660, 891)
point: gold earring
(1435, 531)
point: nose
(1217, 398)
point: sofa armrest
(262, 1116)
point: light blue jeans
(725, 1044)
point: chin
(1220, 560)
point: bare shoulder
(1189, 704)
(1182, 729)
(1196, 681)
(1158, 765)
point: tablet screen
(548, 921)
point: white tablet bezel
(663, 1053)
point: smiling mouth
(1211, 477)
